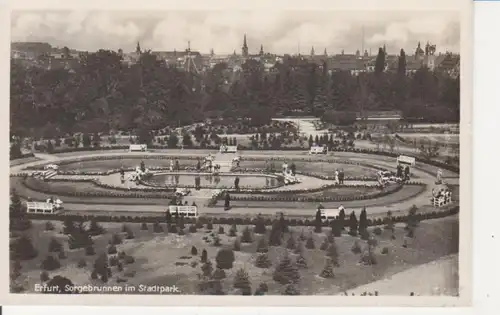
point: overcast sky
(278, 31)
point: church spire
(138, 48)
(244, 49)
(312, 51)
(261, 50)
(325, 53)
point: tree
(173, 140)
(327, 271)
(242, 282)
(402, 62)
(286, 272)
(353, 224)
(363, 221)
(22, 249)
(225, 259)
(18, 218)
(86, 141)
(262, 246)
(204, 256)
(263, 261)
(246, 236)
(380, 61)
(95, 228)
(101, 268)
(332, 252)
(61, 284)
(318, 222)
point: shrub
(194, 251)
(301, 261)
(49, 226)
(112, 249)
(368, 258)
(310, 242)
(54, 245)
(23, 249)
(157, 228)
(327, 271)
(210, 226)
(130, 235)
(377, 231)
(50, 263)
(356, 248)
(221, 230)
(291, 289)
(233, 231)
(116, 239)
(225, 259)
(216, 240)
(129, 260)
(262, 289)
(299, 249)
(81, 263)
(198, 224)
(113, 261)
(95, 228)
(286, 272)
(385, 251)
(204, 256)
(242, 282)
(332, 252)
(144, 226)
(207, 268)
(181, 232)
(263, 261)
(89, 250)
(237, 245)
(171, 229)
(219, 274)
(302, 236)
(44, 276)
(246, 236)
(192, 228)
(262, 246)
(291, 244)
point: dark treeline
(102, 94)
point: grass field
(106, 165)
(320, 168)
(165, 259)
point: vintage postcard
(313, 150)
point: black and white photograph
(235, 152)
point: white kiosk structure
(406, 160)
(317, 149)
(46, 207)
(138, 148)
(330, 214)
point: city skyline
(279, 32)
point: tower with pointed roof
(261, 52)
(325, 53)
(244, 49)
(138, 49)
(312, 51)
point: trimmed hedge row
(237, 221)
(96, 194)
(315, 175)
(296, 191)
(292, 198)
(22, 156)
(452, 168)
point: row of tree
(103, 94)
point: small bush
(130, 235)
(310, 242)
(171, 229)
(385, 251)
(225, 259)
(324, 245)
(81, 263)
(144, 226)
(356, 248)
(62, 254)
(219, 274)
(262, 246)
(54, 246)
(194, 251)
(246, 236)
(89, 250)
(233, 231)
(204, 256)
(291, 244)
(157, 228)
(116, 239)
(237, 245)
(210, 226)
(181, 232)
(113, 261)
(301, 261)
(368, 258)
(129, 260)
(327, 271)
(192, 228)
(49, 226)
(263, 261)
(377, 231)
(50, 263)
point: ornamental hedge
(160, 218)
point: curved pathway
(422, 171)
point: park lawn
(106, 165)
(59, 188)
(318, 168)
(165, 259)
